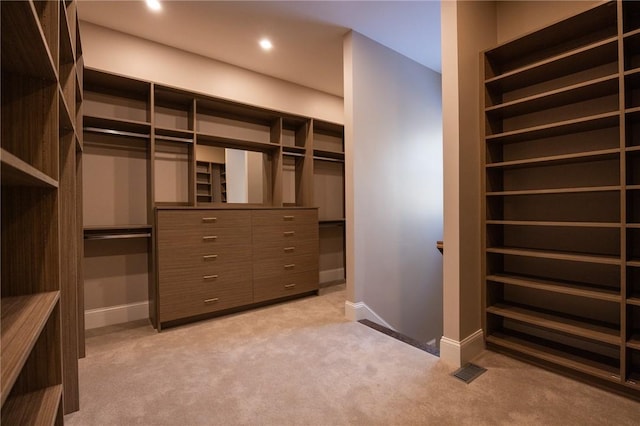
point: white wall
(120, 53)
(393, 122)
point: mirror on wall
(226, 175)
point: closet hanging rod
(333, 160)
(116, 236)
(174, 139)
(116, 132)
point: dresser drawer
(287, 233)
(184, 220)
(190, 298)
(284, 249)
(285, 265)
(195, 236)
(284, 216)
(281, 286)
(205, 255)
(175, 278)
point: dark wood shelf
(558, 354)
(220, 141)
(20, 24)
(557, 255)
(35, 408)
(548, 223)
(116, 232)
(556, 191)
(633, 149)
(562, 323)
(634, 342)
(557, 159)
(67, 120)
(293, 149)
(16, 172)
(582, 124)
(563, 287)
(634, 301)
(591, 89)
(634, 263)
(174, 135)
(319, 154)
(23, 319)
(598, 53)
(117, 127)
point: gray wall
(393, 122)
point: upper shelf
(593, 25)
(20, 23)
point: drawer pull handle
(288, 217)
(209, 219)
(210, 256)
(289, 249)
(210, 277)
(289, 233)
(289, 285)
(290, 266)
(215, 299)
(210, 237)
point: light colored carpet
(302, 363)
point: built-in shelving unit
(147, 145)
(39, 154)
(561, 207)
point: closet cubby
(630, 16)
(328, 140)
(116, 99)
(559, 182)
(633, 367)
(295, 133)
(39, 232)
(115, 179)
(633, 284)
(172, 171)
(173, 111)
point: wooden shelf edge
(19, 173)
(588, 86)
(556, 287)
(633, 301)
(541, 63)
(602, 371)
(559, 224)
(557, 126)
(558, 255)
(554, 158)
(555, 191)
(634, 342)
(34, 408)
(231, 142)
(577, 328)
(23, 319)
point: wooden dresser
(211, 260)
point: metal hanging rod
(116, 132)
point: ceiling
(307, 35)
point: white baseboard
(118, 314)
(459, 353)
(359, 310)
(330, 275)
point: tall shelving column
(630, 91)
(39, 273)
(556, 240)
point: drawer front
(288, 234)
(284, 249)
(190, 298)
(285, 266)
(176, 278)
(193, 236)
(284, 216)
(203, 219)
(203, 256)
(281, 286)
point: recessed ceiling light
(154, 5)
(265, 43)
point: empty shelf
(562, 323)
(34, 408)
(558, 255)
(23, 319)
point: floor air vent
(469, 372)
